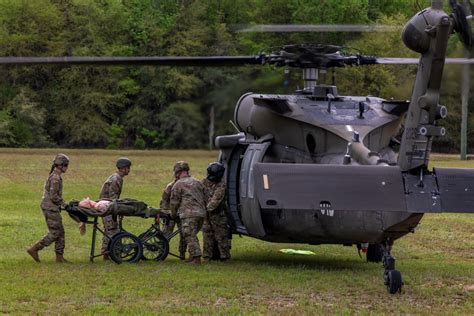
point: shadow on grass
(315, 262)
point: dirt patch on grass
(468, 288)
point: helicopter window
(310, 143)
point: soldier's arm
(165, 197)
(175, 200)
(54, 192)
(216, 198)
(115, 188)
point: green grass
(437, 262)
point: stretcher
(124, 246)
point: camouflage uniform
(215, 226)
(111, 190)
(188, 202)
(165, 206)
(51, 203)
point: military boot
(33, 252)
(60, 258)
(195, 260)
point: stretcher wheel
(125, 247)
(155, 246)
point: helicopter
(316, 167)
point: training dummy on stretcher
(124, 246)
(81, 210)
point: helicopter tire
(394, 282)
(374, 253)
(155, 247)
(125, 247)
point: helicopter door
(329, 187)
(456, 189)
(250, 208)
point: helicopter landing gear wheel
(155, 247)
(392, 278)
(374, 253)
(393, 281)
(125, 247)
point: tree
(182, 126)
(22, 123)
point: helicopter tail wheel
(125, 247)
(393, 281)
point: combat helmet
(61, 159)
(179, 167)
(215, 171)
(123, 162)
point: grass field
(437, 262)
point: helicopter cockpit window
(311, 143)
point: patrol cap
(215, 171)
(61, 159)
(123, 162)
(180, 166)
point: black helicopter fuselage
(325, 134)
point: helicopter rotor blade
(414, 61)
(208, 61)
(322, 28)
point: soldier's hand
(82, 228)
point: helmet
(61, 159)
(123, 162)
(215, 171)
(180, 166)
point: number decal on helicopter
(326, 208)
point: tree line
(165, 107)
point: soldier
(51, 205)
(215, 228)
(188, 202)
(111, 190)
(165, 206)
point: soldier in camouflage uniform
(51, 205)
(111, 190)
(188, 202)
(215, 228)
(165, 206)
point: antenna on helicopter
(234, 126)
